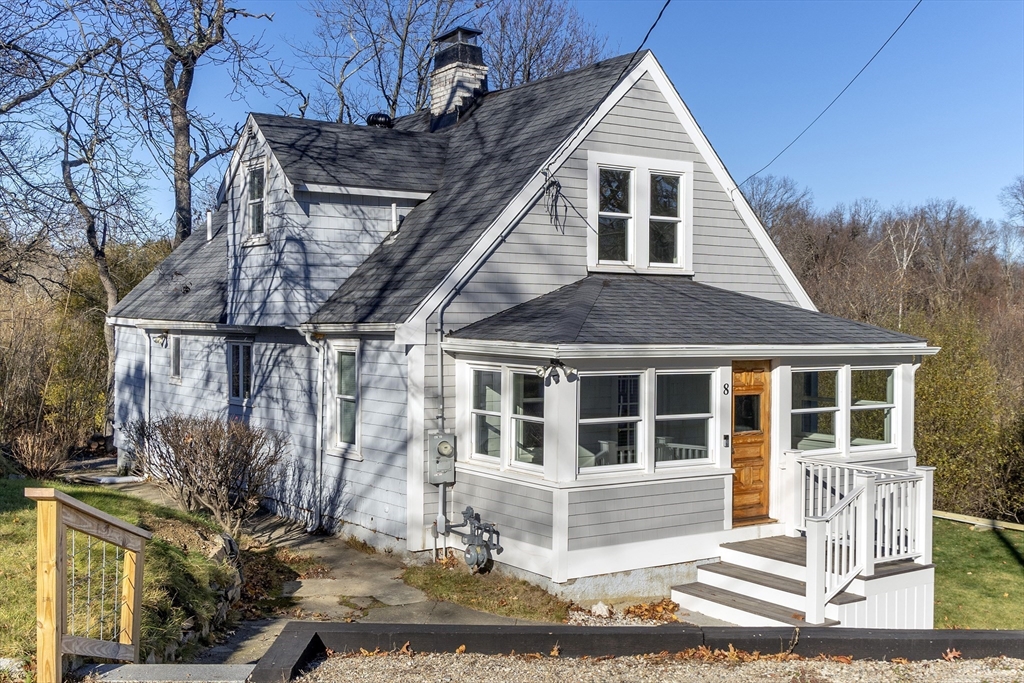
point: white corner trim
(415, 533)
(721, 174)
(414, 329)
(324, 188)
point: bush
(40, 455)
(208, 464)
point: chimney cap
(459, 34)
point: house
(563, 278)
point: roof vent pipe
(380, 120)
(209, 225)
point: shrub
(40, 455)
(208, 464)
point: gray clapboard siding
(202, 387)
(626, 514)
(521, 513)
(372, 492)
(314, 242)
(129, 378)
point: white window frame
(843, 411)
(174, 349)
(474, 454)
(638, 240)
(337, 447)
(245, 374)
(630, 217)
(641, 421)
(712, 376)
(893, 421)
(507, 461)
(260, 201)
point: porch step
(737, 608)
(783, 591)
(166, 673)
(782, 556)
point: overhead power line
(837, 96)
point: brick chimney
(459, 73)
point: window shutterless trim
(510, 441)
(473, 412)
(708, 417)
(337, 447)
(242, 352)
(640, 437)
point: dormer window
(640, 212)
(257, 189)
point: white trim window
(527, 415)
(872, 404)
(683, 415)
(486, 413)
(346, 396)
(610, 423)
(506, 417)
(174, 346)
(815, 410)
(239, 371)
(640, 212)
(256, 194)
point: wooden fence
(88, 583)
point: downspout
(316, 520)
(464, 280)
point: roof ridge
(590, 308)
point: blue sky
(939, 114)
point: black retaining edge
(302, 641)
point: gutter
(320, 345)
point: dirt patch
(188, 537)
(264, 571)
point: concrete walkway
(363, 587)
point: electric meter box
(441, 458)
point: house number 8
(725, 389)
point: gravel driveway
(472, 668)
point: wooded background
(95, 106)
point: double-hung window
(683, 421)
(527, 416)
(665, 240)
(640, 213)
(486, 413)
(871, 407)
(615, 216)
(174, 341)
(257, 190)
(609, 420)
(815, 409)
(347, 397)
(240, 371)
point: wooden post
(51, 590)
(865, 538)
(131, 601)
(815, 607)
(924, 514)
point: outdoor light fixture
(551, 370)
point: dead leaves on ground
(951, 654)
(655, 611)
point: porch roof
(666, 309)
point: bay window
(486, 412)
(528, 418)
(510, 422)
(871, 407)
(814, 409)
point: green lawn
(176, 580)
(979, 577)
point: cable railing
(88, 583)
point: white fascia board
(347, 328)
(414, 329)
(360, 191)
(721, 174)
(752, 351)
(179, 325)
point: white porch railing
(855, 516)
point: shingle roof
(666, 309)
(492, 154)
(189, 285)
(354, 156)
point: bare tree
(778, 202)
(903, 236)
(1012, 199)
(173, 39)
(527, 40)
(336, 54)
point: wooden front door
(750, 443)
